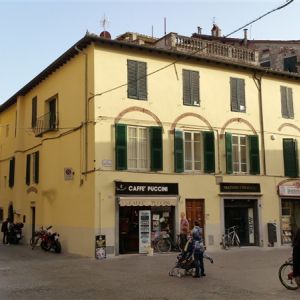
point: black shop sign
(226, 187)
(146, 188)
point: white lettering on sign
(137, 188)
(289, 190)
(157, 188)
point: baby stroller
(185, 263)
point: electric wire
(192, 53)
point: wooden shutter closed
(253, 143)
(178, 151)
(290, 158)
(190, 80)
(233, 94)
(290, 106)
(11, 178)
(28, 169)
(209, 151)
(228, 147)
(137, 79)
(121, 147)
(156, 148)
(36, 166)
(284, 106)
(237, 94)
(34, 112)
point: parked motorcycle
(50, 241)
(15, 233)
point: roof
(92, 38)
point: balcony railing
(45, 123)
(209, 48)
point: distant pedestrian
(184, 230)
(296, 257)
(4, 230)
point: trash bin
(272, 233)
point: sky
(36, 32)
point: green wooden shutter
(156, 148)
(233, 94)
(228, 147)
(290, 158)
(253, 143)
(186, 87)
(209, 151)
(34, 112)
(121, 147)
(132, 89)
(284, 105)
(241, 95)
(290, 106)
(178, 151)
(194, 79)
(28, 169)
(11, 178)
(36, 166)
(142, 80)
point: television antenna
(104, 22)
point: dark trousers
(183, 240)
(199, 265)
(4, 240)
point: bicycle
(230, 238)
(165, 243)
(285, 274)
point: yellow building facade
(114, 129)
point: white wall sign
(68, 173)
(289, 190)
(106, 163)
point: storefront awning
(148, 201)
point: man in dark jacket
(296, 257)
(4, 229)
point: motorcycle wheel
(45, 246)
(57, 247)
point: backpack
(198, 247)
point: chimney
(245, 37)
(216, 31)
(199, 30)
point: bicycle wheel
(164, 245)
(225, 242)
(236, 240)
(285, 274)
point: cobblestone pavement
(245, 273)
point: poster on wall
(100, 250)
(251, 225)
(144, 230)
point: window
(290, 157)
(33, 112)
(138, 148)
(190, 87)
(242, 154)
(237, 94)
(137, 80)
(11, 177)
(32, 168)
(194, 151)
(287, 108)
(290, 64)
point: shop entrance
(195, 212)
(242, 213)
(162, 218)
(290, 219)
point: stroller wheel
(179, 275)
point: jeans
(183, 240)
(199, 265)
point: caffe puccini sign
(145, 188)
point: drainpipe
(85, 112)
(258, 79)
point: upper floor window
(11, 176)
(237, 94)
(194, 151)
(242, 154)
(138, 148)
(190, 81)
(137, 79)
(32, 168)
(287, 107)
(290, 64)
(33, 112)
(290, 157)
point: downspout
(258, 79)
(86, 112)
